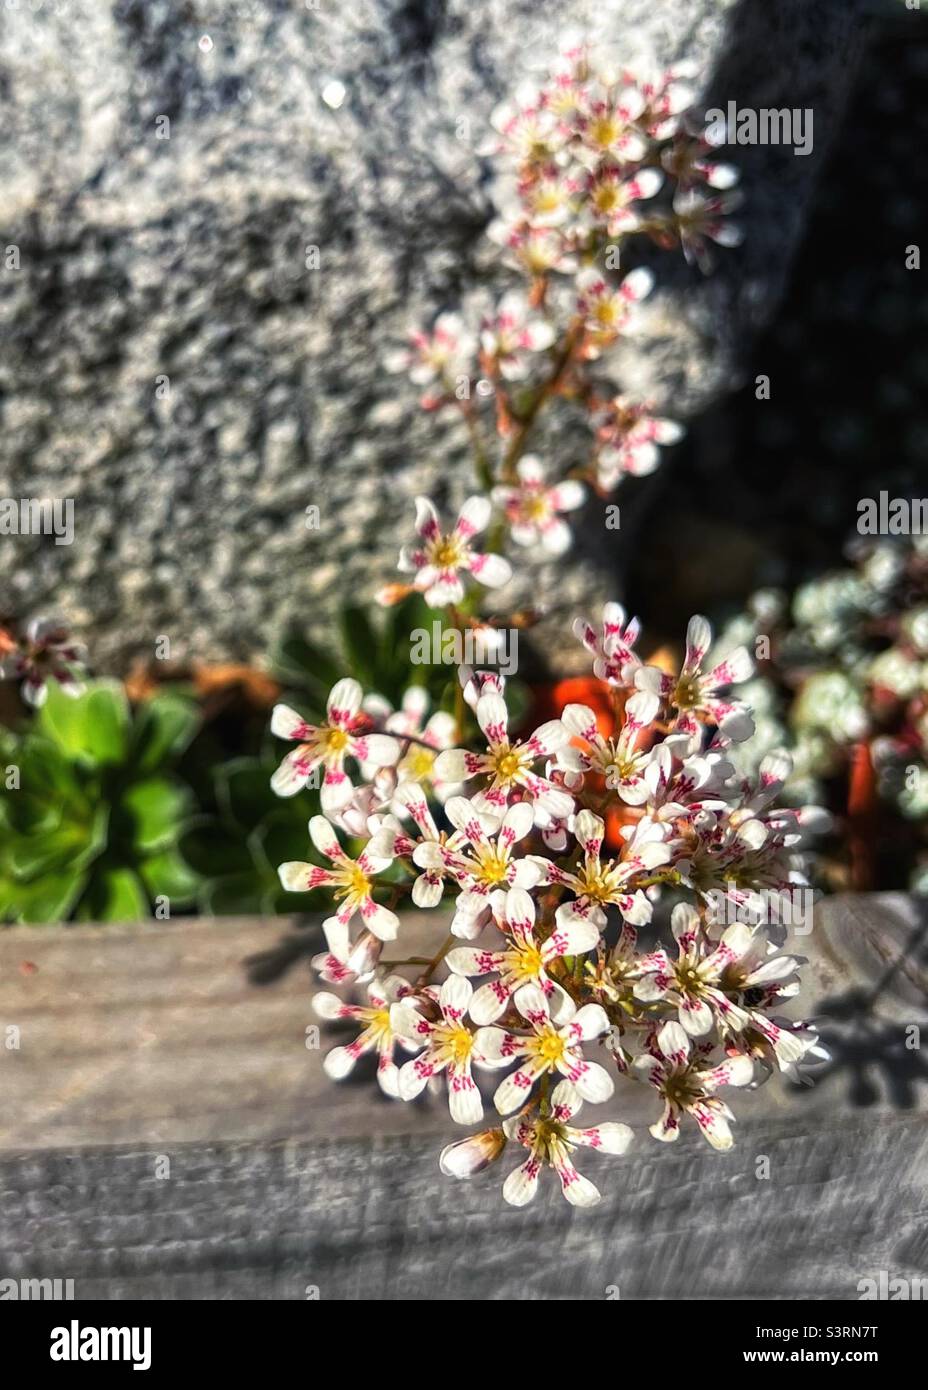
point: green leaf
(50, 898)
(93, 727)
(169, 875)
(71, 845)
(211, 850)
(149, 815)
(113, 895)
(243, 791)
(163, 729)
(27, 856)
(234, 894)
(280, 838)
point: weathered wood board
(166, 1133)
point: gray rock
(185, 257)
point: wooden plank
(159, 1033)
(154, 1042)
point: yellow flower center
(548, 200)
(356, 883)
(530, 961)
(595, 882)
(336, 740)
(536, 508)
(605, 131)
(380, 1022)
(419, 763)
(607, 198)
(606, 313)
(460, 1042)
(538, 150)
(552, 1047)
(493, 869)
(507, 764)
(623, 768)
(687, 979)
(446, 553)
(686, 694)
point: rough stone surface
(185, 257)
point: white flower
(694, 693)
(628, 437)
(666, 94)
(608, 308)
(527, 132)
(488, 864)
(345, 962)
(729, 986)
(533, 250)
(523, 960)
(465, 1158)
(388, 838)
(440, 557)
(450, 1048)
(510, 338)
(618, 760)
(350, 878)
(599, 883)
(550, 1047)
(46, 652)
(702, 219)
(532, 507)
(611, 195)
(614, 659)
(376, 1030)
(438, 356)
(688, 1085)
(329, 744)
(607, 130)
(417, 763)
(550, 1140)
(548, 198)
(507, 768)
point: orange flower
(550, 700)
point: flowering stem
(544, 393)
(481, 463)
(433, 964)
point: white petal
(293, 773)
(464, 1100)
(325, 839)
(473, 516)
(522, 1184)
(344, 700)
(491, 570)
(451, 766)
(286, 723)
(381, 750)
(594, 1083)
(338, 1063)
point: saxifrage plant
(541, 961)
(91, 808)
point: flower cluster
(547, 1004)
(597, 155)
(548, 848)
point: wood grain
(167, 1134)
